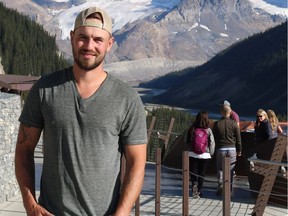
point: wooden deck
(242, 168)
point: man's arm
(238, 140)
(133, 180)
(28, 138)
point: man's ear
(110, 43)
(71, 36)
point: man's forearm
(131, 188)
(24, 163)
(25, 175)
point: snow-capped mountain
(170, 34)
(124, 12)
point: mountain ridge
(178, 30)
(186, 32)
(251, 75)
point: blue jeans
(231, 152)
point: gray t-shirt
(83, 140)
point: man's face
(89, 46)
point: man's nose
(89, 44)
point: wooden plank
(269, 176)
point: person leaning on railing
(276, 128)
(263, 129)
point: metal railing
(226, 195)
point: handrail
(267, 162)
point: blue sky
(278, 3)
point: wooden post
(157, 182)
(151, 128)
(167, 137)
(123, 168)
(226, 185)
(137, 207)
(169, 132)
(185, 187)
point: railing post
(185, 188)
(226, 185)
(157, 182)
(137, 207)
(123, 168)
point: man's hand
(37, 210)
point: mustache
(89, 52)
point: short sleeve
(134, 130)
(31, 114)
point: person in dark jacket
(228, 143)
(233, 114)
(263, 129)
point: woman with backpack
(201, 149)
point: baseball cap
(224, 103)
(81, 19)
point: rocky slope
(250, 75)
(190, 34)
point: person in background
(263, 129)
(228, 143)
(233, 114)
(276, 128)
(198, 162)
(89, 120)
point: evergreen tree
(25, 47)
(182, 122)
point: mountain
(176, 33)
(251, 74)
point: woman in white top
(276, 128)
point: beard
(87, 65)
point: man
(228, 143)
(89, 119)
(233, 114)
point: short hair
(226, 110)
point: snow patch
(272, 9)
(205, 27)
(59, 1)
(224, 35)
